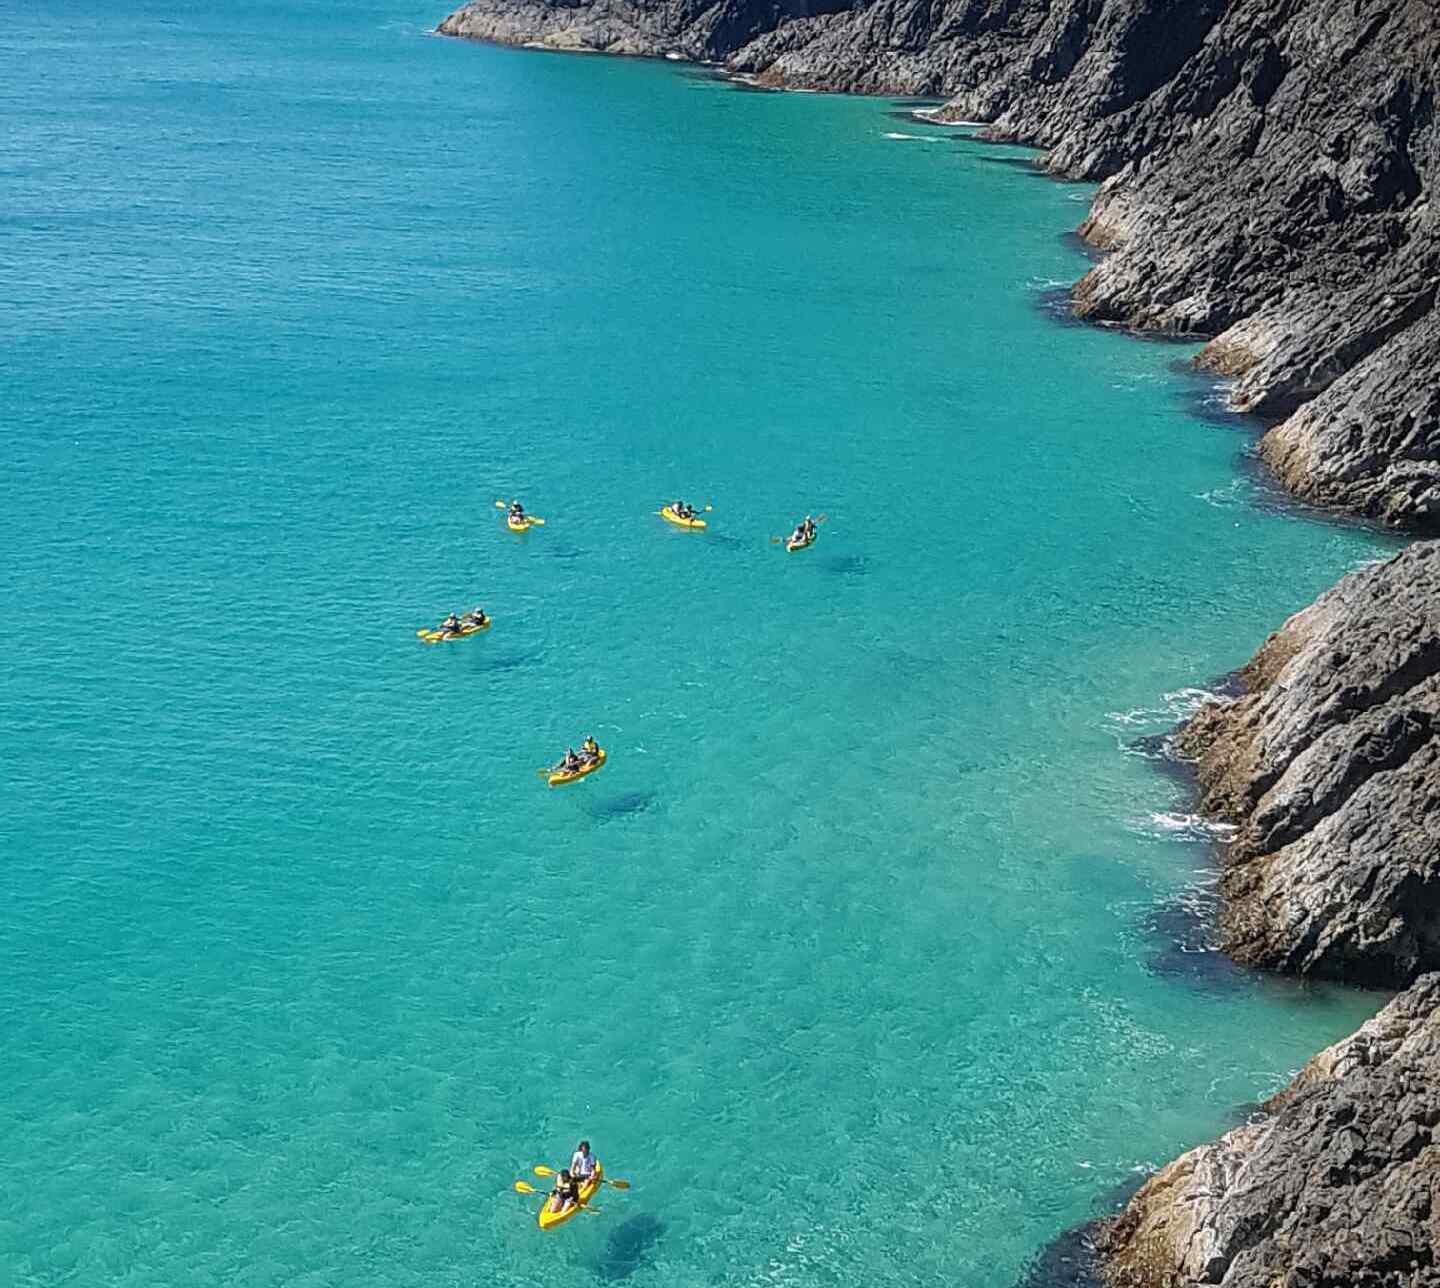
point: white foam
(914, 138)
(931, 116)
(1184, 827)
(1236, 492)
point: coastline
(1328, 748)
(1323, 312)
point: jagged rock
(1267, 168)
(1337, 1186)
(1329, 766)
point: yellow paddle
(524, 1187)
(542, 1170)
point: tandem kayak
(562, 777)
(792, 545)
(550, 1220)
(444, 637)
(669, 515)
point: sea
(880, 952)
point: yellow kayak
(550, 1220)
(792, 545)
(444, 637)
(669, 515)
(560, 778)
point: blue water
(860, 957)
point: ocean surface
(872, 956)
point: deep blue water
(861, 958)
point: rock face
(1330, 767)
(1268, 166)
(1337, 1186)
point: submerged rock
(1337, 1185)
(1267, 167)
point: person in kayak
(590, 750)
(809, 527)
(517, 512)
(683, 510)
(566, 1193)
(797, 538)
(582, 1163)
(571, 763)
(477, 618)
(451, 623)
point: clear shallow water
(302, 964)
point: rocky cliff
(1336, 1185)
(1267, 167)
(1329, 765)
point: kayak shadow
(629, 1247)
(623, 804)
(847, 565)
(506, 661)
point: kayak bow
(552, 1220)
(669, 515)
(561, 777)
(444, 637)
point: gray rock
(1267, 167)
(1336, 1186)
(1330, 767)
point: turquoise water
(303, 965)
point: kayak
(522, 526)
(669, 515)
(550, 1220)
(560, 778)
(792, 545)
(444, 637)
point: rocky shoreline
(1266, 167)
(1265, 170)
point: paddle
(542, 1170)
(524, 1187)
(779, 541)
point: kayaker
(797, 538)
(809, 527)
(571, 763)
(478, 617)
(451, 623)
(582, 1164)
(590, 749)
(517, 512)
(566, 1193)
